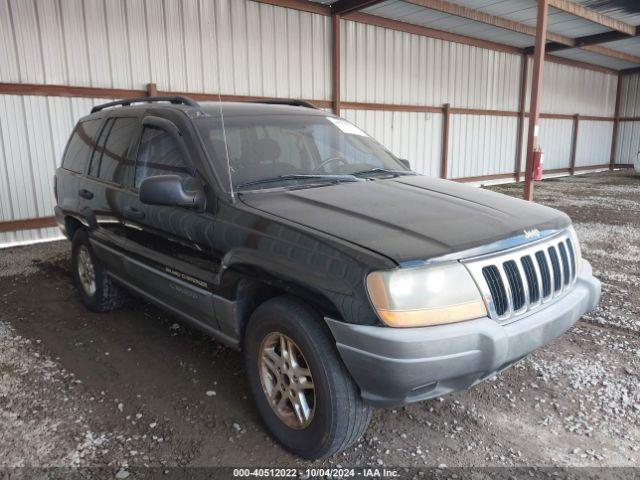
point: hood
(409, 218)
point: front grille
(525, 278)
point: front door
(171, 259)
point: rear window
(80, 146)
(110, 158)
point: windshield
(265, 151)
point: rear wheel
(98, 292)
(306, 397)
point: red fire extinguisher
(538, 164)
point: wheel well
(71, 225)
(253, 293)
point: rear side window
(80, 146)
(159, 154)
(110, 158)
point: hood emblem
(533, 233)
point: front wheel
(97, 290)
(306, 397)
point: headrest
(264, 150)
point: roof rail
(128, 101)
(292, 102)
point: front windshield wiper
(384, 170)
(333, 178)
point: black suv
(347, 280)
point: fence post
(574, 143)
(444, 159)
(616, 124)
(152, 91)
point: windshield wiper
(333, 178)
(384, 170)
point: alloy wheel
(286, 380)
(86, 271)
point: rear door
(171, 259)
(110, 169)
(76, 158)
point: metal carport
(448, 84)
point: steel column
(444, 159)
(574, 143)
(616, 123)
(335, 62)
(522, 111)
(536, 87)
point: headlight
(431, 295)
(576, 248)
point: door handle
(134, 213)
(84, 193)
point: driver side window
(159, 154)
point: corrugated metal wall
(379, 65)
(411, 135)
(570, 90)
(481, 145)
(555, 139)
(177, 44)
(630, 97)
(593, 146)
(629, 131)
(33, 134)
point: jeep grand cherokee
(347, 280)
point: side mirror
(167, 190)
(405, 162)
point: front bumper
(396, 366)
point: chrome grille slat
(524, 278)
(533, 280)
(572, 258)
(545, 275)
(494, 282)
(564, 260)
(556, 273)
(518, 298)
(507, 287)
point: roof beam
(610, 52)
(630, 71)
(494, 20)
(591, 15)
(501, 22)
(590, 47)
(345, 6)
(585, 41)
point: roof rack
(128, 101)
(293, 103)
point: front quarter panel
(283, 254)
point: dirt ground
(138, 388)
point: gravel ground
(137, 388)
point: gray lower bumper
(395, 366)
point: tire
(339, 416)
(106, 296)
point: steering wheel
(329, 160)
